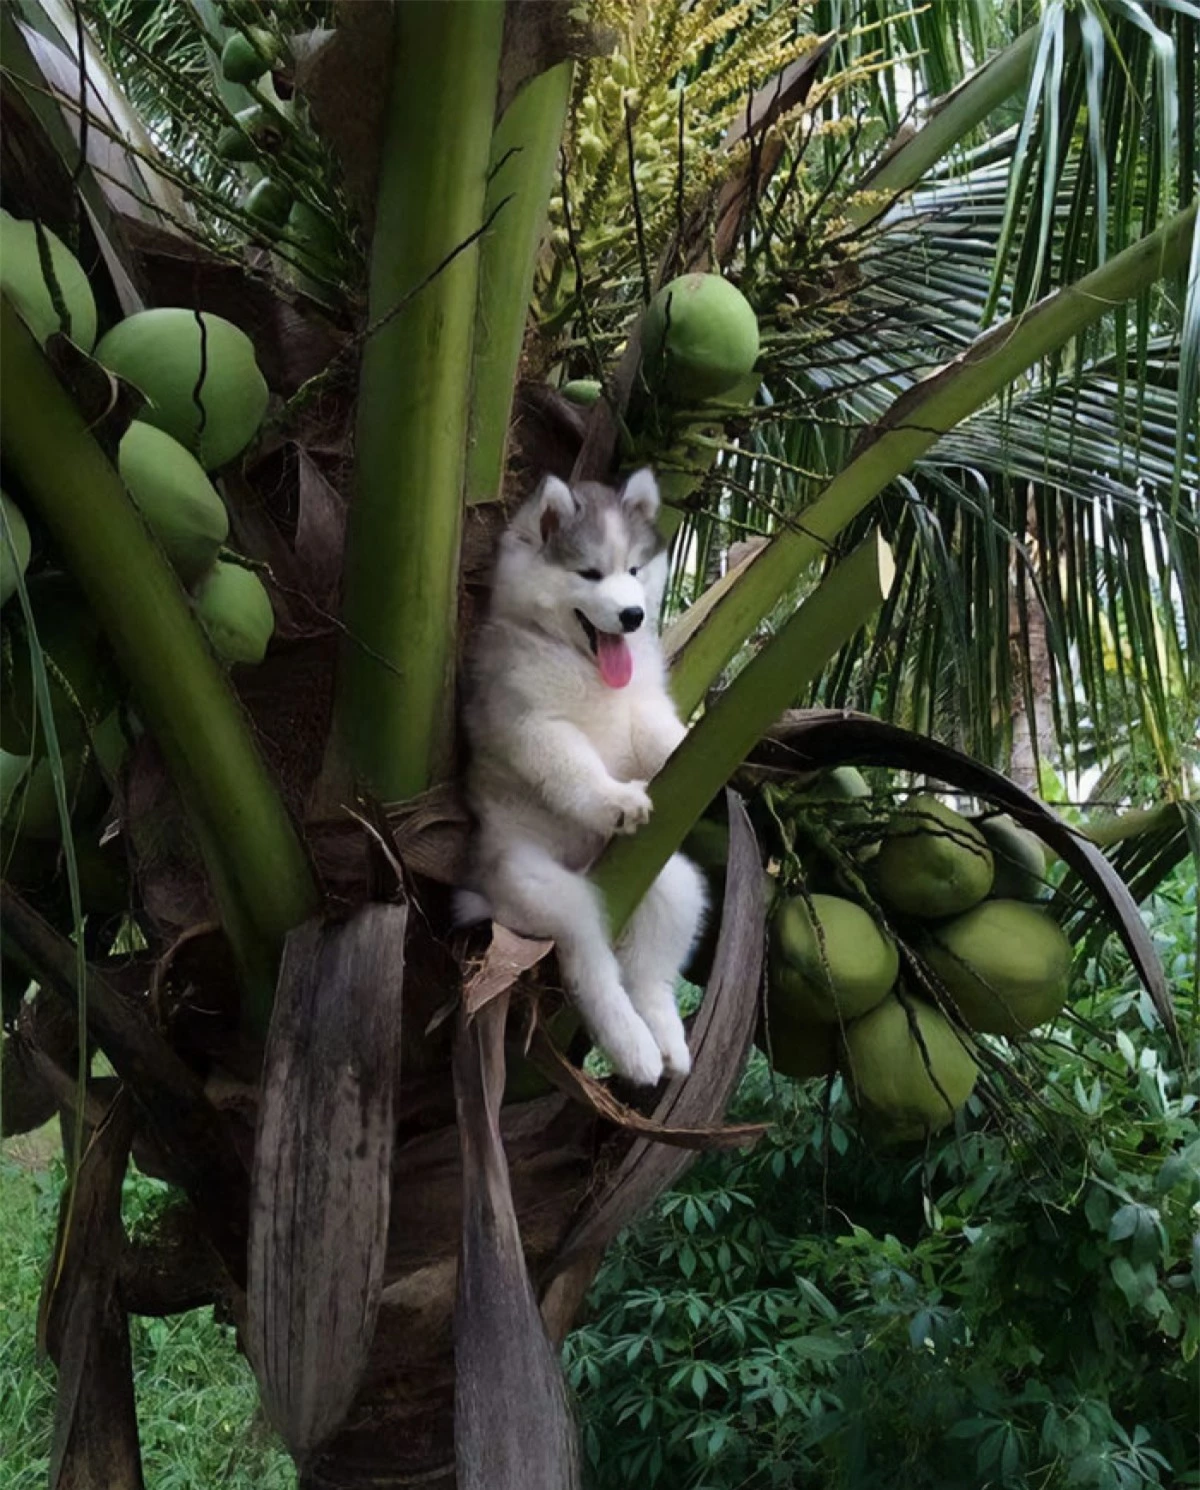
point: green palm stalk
(401, 571)
(845, 600)
(521, 173)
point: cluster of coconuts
(255, 55)
(205, 399)
(980, 955)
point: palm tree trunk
(1033, 678)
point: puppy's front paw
(631, 805)
(635, 1053)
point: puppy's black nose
(631, 617)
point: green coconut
(178, 501)
(159, 352)
(32, 808)
(33, 811)
(707, 845)
(313, 239)
(14, 561)
(910, 1091)
(312, 229)
(842, 784)
(245, 57)
(13, 770)
(1019, 857)
(932, 862)
(796, 1048)
(269, 203)
(582, 391)
(23, 281)
(699, 337)
(79, 673)
(39, 865)
(833, 983)
(235, 609)
(1005, 964)
(260, 130)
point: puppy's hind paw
(662, 1020)
(677, 1058)
(634, 1054)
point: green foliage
(198, 1417)
(1011, 1308)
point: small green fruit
(1005, 964)
(245, 57)
(260, 124)
(707, 845)
(235, 609)
(314, 240)
(911, 1091)
(932, 861)
(82, 685)
(22, 280)
(699, 337)
(178, 501)
(14, 561)
(159, 352)
(269, 202)
(1020, 859)
(832, 977)
(32, 810)
(582, 391)
(797, 1049)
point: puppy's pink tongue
(614, 659)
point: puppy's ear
(640, 494)
(553, 505)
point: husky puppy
(568, 717)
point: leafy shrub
(1017, 1306)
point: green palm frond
(1084, 475)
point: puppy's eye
(590, 574)
(634, 570)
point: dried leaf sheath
(513, 1427)
(321, 1189)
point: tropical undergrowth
(1013, 1307)
(199, 1420)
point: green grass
(197, 1406)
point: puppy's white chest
(607, 717)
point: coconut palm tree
(979, 325)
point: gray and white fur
(568, 717)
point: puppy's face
(592, 567)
